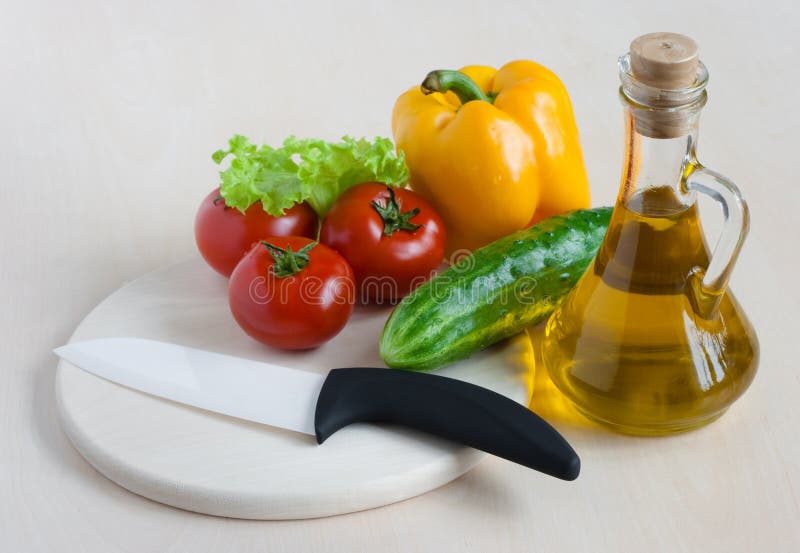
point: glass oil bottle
(651, 340)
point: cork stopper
(663, 76)
(665, 60)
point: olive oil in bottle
(651, 340)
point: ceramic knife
(320, 405)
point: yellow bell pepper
(493, 150)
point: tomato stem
(288, 262)
(393, 218)
(219, 199)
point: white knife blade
(251, 390)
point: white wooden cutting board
(213, 464)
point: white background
(109, 113)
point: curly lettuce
(312, 170)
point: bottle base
(664, 429)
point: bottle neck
(661, 127)
(654, 168)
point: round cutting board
(214, 464)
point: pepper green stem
(444, 80)
(287, 262)
(393, 218)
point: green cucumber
(496, 292)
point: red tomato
(224, 234)
(294, 299)
(393, 239)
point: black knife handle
(448, 408)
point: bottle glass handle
(706, 286)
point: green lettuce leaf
(259, 174)
(330, 168)
(310, 170)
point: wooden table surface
(109, 113)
